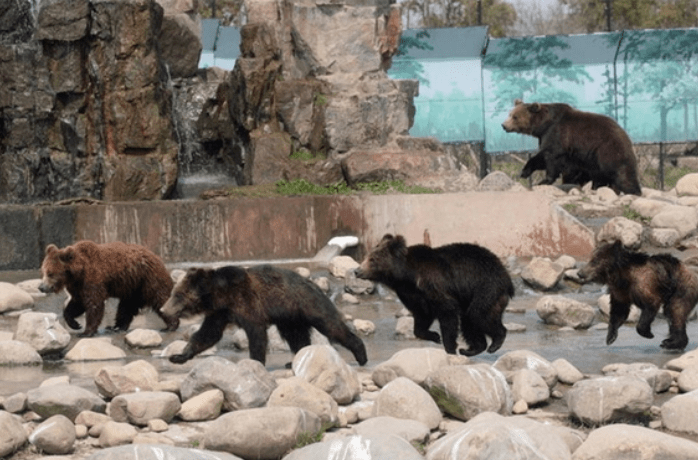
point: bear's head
(605, 261)
(524, 118)
(201, 290)
(189, 294)
(386, 260)
(57, 269)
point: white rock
(414, 363)
(91, 349)
(296, 392)
(688, 185)
(529, 386)
(563, 311)
(55, 436)
(340, 265)
(542, 273)
(13, 298)
(323, 367)
(42, 331)
(143, 338)
(609, 399)
(683, 219)
(139, 408)
(139, 375)
(204, 406)
(404, 399)
(566, 372)
(621, 229)
(513, 361)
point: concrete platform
(239, 229)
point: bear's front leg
(208, 335)
(619, 313)
(93, 300)
(72, 310)
(422, 323)
(257, 337)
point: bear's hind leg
(297, 335)
(473, 336)
(676, 311)
(422, 323)
(258, 339)
(126, 311)
(644, 324)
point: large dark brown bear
(580, 145)
(458, 283)
(650, 282)
(255, 298)
(92, 272)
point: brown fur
(254, 299)
(576, 144)
(92, 272)
(650, 282)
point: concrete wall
(509, 223)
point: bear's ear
(66, 255)
(517, 102)
(387, 237)
(50, 249)
(399, 247)
(534, 108)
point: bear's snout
(45, 288)
(359, 273)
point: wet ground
(586, 349)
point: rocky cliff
(102, 98)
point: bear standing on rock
(649, 282)
(576, 144)
(458, 283)
(255, 298)
(92, 272)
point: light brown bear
(92, 272)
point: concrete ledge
(509, 223)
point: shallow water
(585, 349)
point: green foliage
(320, 99)
(631, 214)
(303, 187)
(633, 14)
(302, 155)
(307, 438)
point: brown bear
(254, 299)
(580, 145)
(458, 283)
(648, 281)
(92, 272)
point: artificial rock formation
(84, 105)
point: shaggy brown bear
(92, 272)
(580, 145)
(255, 298)
(458, 283)
(650, 282)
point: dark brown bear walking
(92, 272)
(254, 299)
(579, 145)
(649, 282)
(458, 283)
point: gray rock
(542, 273)
(55, 436)
(683, 219)
(12, 434)
(297, 392)
(143, 406)
(204, 406)
(678, 413)
(566, 372)
(264, 433)
(529, 386)
(496, 181)
(684, 361)
(404, 399)
(621, 229)
(659, 379)
(664, 237)
(339, 266)
(143, 338)
(42, 331)
(647, 207)
(491, 436)
(467, 390)
(15, 403)
(94, 349)
(138, 375)
(562, 311)
(513, 361)
(617, 441)
(373, 447)
(13, 298)
(116, 434)
(322, 366)
(158, 452)
(609, 399)
(412, 431)
(413, 363)
(68, 400)
(245, 385)
(16, 353)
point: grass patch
(303, 155)
(303, 187)
(631, 214)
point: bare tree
(538, 18)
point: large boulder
(624, 396)
(43, 332)
(179, 39)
